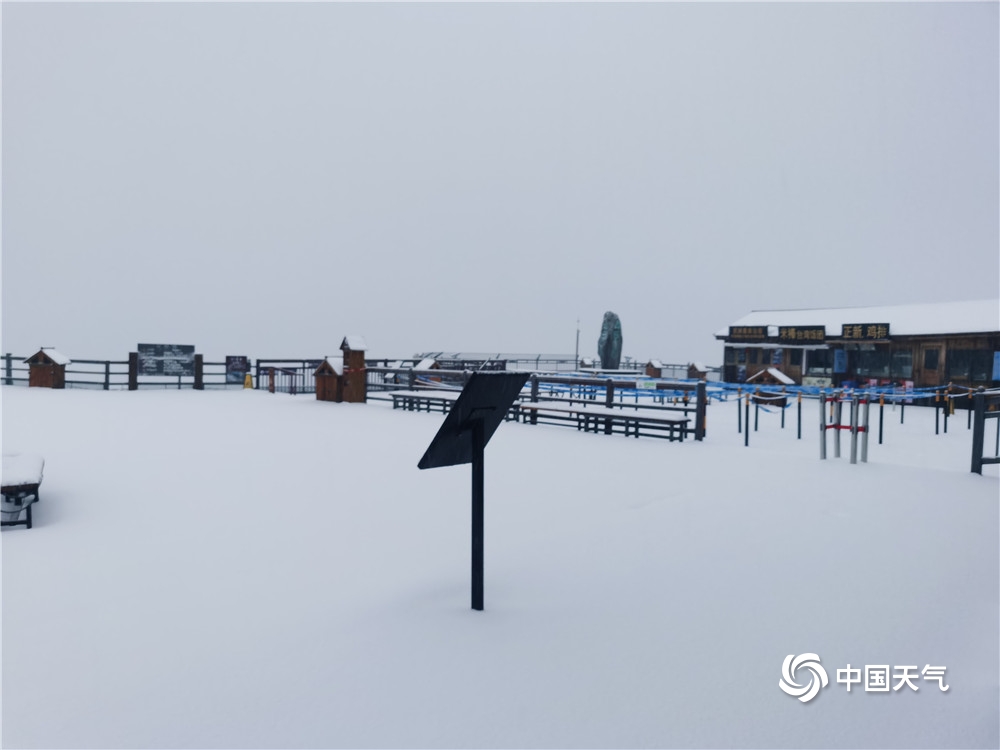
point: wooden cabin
(697, 371)
(330, 380)
(355, 373)
(654, 369)
(47, 368)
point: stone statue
(609, 345)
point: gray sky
(262, 179)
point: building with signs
(926, 345)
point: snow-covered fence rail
(108, 375)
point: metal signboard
(802, 334)
(237, 369)
(865, 331)
(747, 334)
(166, 359)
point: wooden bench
(630, 422)
(21, 477)
(431, 400)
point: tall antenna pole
(576, 359)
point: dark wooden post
(133, 371)
(739, 411)
(978, 431)
(411, 379)
(199, 372)
(746, 423)
(700, 409)
(270, 380)
(8, 370)
(799, 416)
(609, 402)
(107, 375)
(478, 450)
(256, 380)
(534, 397)
(881, 407)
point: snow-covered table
(19, 481)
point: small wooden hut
(47, 368)
(355, 375)
(697, 371)
(654, 369)
(330, 380)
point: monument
(609, 345)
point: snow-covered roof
(57, 357)
(776, 374)
(699, 366)
(337, 363)
(354, 342)
(975, 316)
(655, 363)
(425, 364)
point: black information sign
(462, 439)
(865, 331)
(237, 369)
(802, 334)
(166, 359)
(747, 334)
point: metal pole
(881, 408)
(746, 420)
(739, 411)
(837, 408)
(799, 416)
(902, 408)
(576, 356)
(979, 432)
(478, 449)
(783, 407)
(937, 414)
(854, 428)
(822, 425)
(864, 435)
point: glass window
(873, 364)
(752, 356)
(819, 362)
(795, 358)
(902, 364)
(730, 355)
(931, 359)
(959, 362)
(982, 365)
(741, 356)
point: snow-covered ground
(240, 569)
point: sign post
(462, 439)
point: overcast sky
(261, 179)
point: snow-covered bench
(628, 421)
(19, 481)
(433, 400)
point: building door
(929, 366)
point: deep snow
(240, 569)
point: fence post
(756, 409)
(799, 416)
(822, 425)
(881, 408)
(256, 380)
(854, 428)
(978, 430)
(534, 397)
(411, 379)
(8, 369)
(609, 402)
(746, 422)
(199, 372)
(864, 433)
(133, 371)
(838, 408)
(107, 375)
(700, 410)
(270, 380)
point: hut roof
(335, 363)
(776, 374)
(57, 358)
(354, 343)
